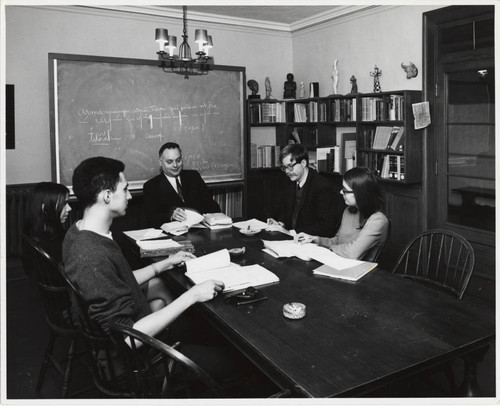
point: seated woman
(364, 228)
(46, 212)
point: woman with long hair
(364, 227)
(46, 212)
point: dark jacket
(320, 209)
(161, 199)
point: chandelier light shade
(183, 63)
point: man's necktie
(179, 188)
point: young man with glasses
(308, 202)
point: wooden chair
(42, 269)
(148, 358)
(439, 257)
(145, 369)
(443, 259)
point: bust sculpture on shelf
(254, 87)
(376, 79)
(410, 69)
(354, 85)
(302, 91)
(290, 87)
(335, 76)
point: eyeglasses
(345, 191)
(289, 167)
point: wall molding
(158, 13)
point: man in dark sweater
(175, 188)
(308, 201)
(94, 262)
(96, 266)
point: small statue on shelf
(268, 88)
(254, 87)
(302, 91)
(354, 85)
(376, 79)
(290, 87)
(335, 76)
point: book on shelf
(218, 266)
(345, 144)
(300, 113)
(398, 139)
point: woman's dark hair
(366, 190)
(93, 175)
(297, 151)
(43, 211)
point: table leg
(470, 386)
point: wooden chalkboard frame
(137, 184)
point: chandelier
(183, 63)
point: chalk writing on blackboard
(126, 109)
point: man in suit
(308, 200)
(173, 189)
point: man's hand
(175, 259)
(179, 215)
(207, 290)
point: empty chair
(44, 271)
(440, 257)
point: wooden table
(355, 338)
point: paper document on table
(145, 234)
(218, 266)
(157, 244)
(287, 249)
(254, 224)
(327, 257)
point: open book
(181, 227)
(218, 266)
(334, 265)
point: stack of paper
(151, 243)
(218, 266)
(217, 220)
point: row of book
(386, 108)
(338, 158)
(339, 110)
(230, 201)
(385, 166)
(264, 156)
(384, 137)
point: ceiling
(276, 14)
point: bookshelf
(382, 123)
(387, 142)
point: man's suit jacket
(319, 210)
(161, 199)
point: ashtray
(236, 252)
(251, 231)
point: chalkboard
(127, 108)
